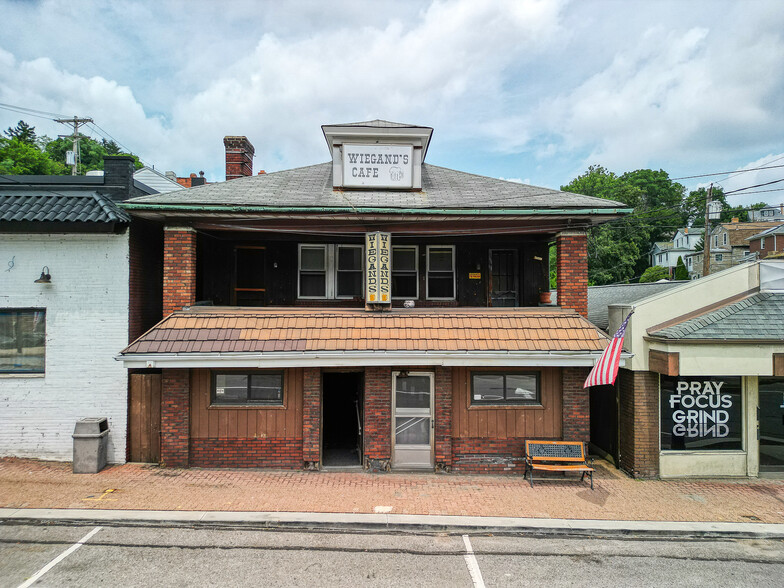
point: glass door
(412, 437)
(771, 424)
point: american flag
(606, 369)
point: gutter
(362, 359)
(371, 210)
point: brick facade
(378, 417)
(278, 453)
(311, 417)
(175, 417)
(145, 252)
(488, 456)
(576, 404)
(239, 157)
(572, 280)
(639, 423)
(443, 418)
(179, 268)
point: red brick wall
(378, 413)
(639, 423)
(576, 404)
(443, 416)
(179, 269)
(572, 265)
(175, 417)
(487, 456)
(311, 415)
(146, 271)
(279, 453)
(239, 157)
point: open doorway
(342, 419)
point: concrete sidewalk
(30, 484)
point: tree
(23, 132)
(681, 273)
(91, 152)
(18, 157)
(654, 274)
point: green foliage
(681, 273)
(23, 132)
(654, 274)
(553, 267)
(91, 152)
(17, 157)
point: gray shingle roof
(757, 317)
(72, 207)
(442, 188)
(600, 297)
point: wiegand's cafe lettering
(381, 166)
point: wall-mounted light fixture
(46, 277)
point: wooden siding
(507, 422)
(144, 419)
(663, 362)
(244, 422)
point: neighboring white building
(769, 213)
(64, 308)
(666, 253)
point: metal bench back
(555, 450)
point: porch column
(175, 417)
(572, 281)
(179, 268)
(576, 403)
(443, 414)
(311, 417)
(378, 417)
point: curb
(395, 523)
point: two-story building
(767, 242)
(666, 253)
(372, 311)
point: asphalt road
(131, 556)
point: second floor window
(405, 274)
(762, 242)
(441, 272)
(330, 271)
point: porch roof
(422, 336)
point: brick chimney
(239, 157)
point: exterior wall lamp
(46, 277)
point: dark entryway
(342, 419)
(604, 422)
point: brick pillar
(572, 265)
(179, 268)
(443, 412)
(576, 403)
(638, 413)
(311, 417)
(239, 157)
(378, 417)
(175, 417)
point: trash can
(90, 441)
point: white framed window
(767, 212)
(715, 240)
(330, 271)
(441, 272)
(762, 242)
(405, 271)
(724, 238)
(719, 257)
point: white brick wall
(86, 326)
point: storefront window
(22, 340)
(700, 414)
(771, 423)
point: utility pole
(75, 122)
(706, 238)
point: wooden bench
(557, 456)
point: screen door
(413, 420)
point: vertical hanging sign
(378, 287)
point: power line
(738, 171)
(755, 186)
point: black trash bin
(90, 442)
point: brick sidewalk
(28, 483)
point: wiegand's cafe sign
(378, 285)
(377, 166)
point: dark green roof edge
(445, 211)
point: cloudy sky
(521, 89)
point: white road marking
(33, 579)
(473, 565)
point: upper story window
(488, 388)
(762, 242)
(22, 341)
(715, 240)
(441, 272)
(405, 271)
(231, 389)
(724, 238)
(767, 212)
(330, 271)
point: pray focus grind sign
(378, 287)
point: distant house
(69, 298)
(767, 214)
(666, 253)
(159, 182)
(767, 242)
(729, 246)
